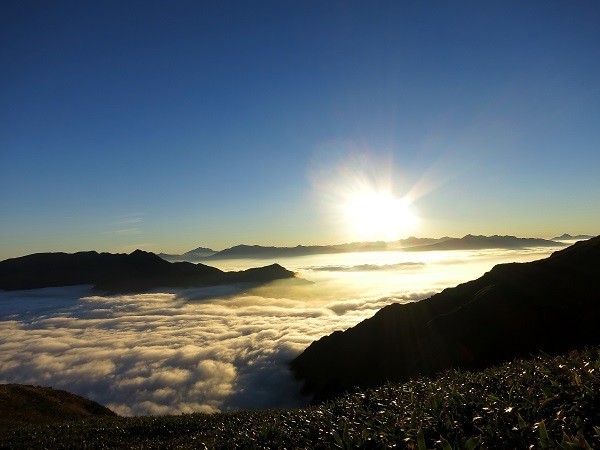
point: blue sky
(169, 125)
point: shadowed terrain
(542, 402)
(23, 404)
(109, 273)
(514, 310)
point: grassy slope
(544, 401)
(22, 404)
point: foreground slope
(537, 403)
(23, 404)
(514, 310)
(109, 273)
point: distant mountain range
(516, 309)
(109, 273)
(262, 252)
(195, 254)
(471, 242)
(568, 237)
(468, 242)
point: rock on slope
(549, 305)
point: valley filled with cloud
(211, 349)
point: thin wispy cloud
(127, 221)
(124, 225)
(127, 231)
(124, 231)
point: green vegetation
(544, 402)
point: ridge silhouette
(551, 305)
(468, 242)
(109, 273)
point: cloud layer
(165, 353)
(365, 267)
(208, 350)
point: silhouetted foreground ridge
(542, 402)
(138, 271)
(516, 309)
(24, 404)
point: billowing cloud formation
(164, 353)
(209, 349)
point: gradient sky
(170, 125)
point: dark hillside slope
(24, 404)
(541, 402)
(514, 310)
(109, 273)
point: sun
(377, 215)
(365, 198)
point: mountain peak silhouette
(514, 310)
(139, 271)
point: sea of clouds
(210, 349)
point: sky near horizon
(171, 125)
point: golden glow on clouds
(217, 348)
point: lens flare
(373, 215)
(360, 195)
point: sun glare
(360, 194)
(373, 215)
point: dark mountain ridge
(109, 273)
(195, 254)
(259, 251)
(568, 237)
(472, 242)
(516, 309)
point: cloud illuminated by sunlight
(215, 348)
